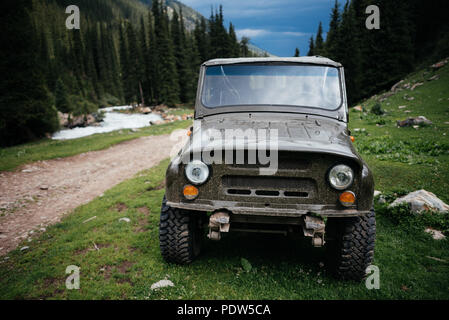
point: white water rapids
(112, 121)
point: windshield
(276, 85)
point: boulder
(416, 85)
(393, 88)
(436, 235)
(160, 108)
(422, 200)
(145, 110)
(439, 65)
(162, 284)
(418, 121)
(63, 119)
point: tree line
(411, 32)
(120, 55)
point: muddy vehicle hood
(301, 133)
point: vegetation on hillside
(411, 32)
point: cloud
(254, 8)
(256, 33)
(252, 33)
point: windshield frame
(202, 110)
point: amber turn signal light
(352, 139)
(190, 192)
(347, 198)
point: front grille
(262, 186)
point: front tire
(180, 234)
(350, 246)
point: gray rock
(436, 235)
(421, 120)
(162, 284)
(435, 77)
(422, 200)
(416, 85)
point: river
(112, 121)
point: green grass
(247, 266)
(11, 158)
(180, 111)
(408, 158)
(128, 259)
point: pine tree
(349, 53)
(296, 53)
(244, 50)
(61, 97)
(133, 93)
(332, 39)
(319, 42)
(124, 66)
(152, 62)
(233, 42)
(167, 76)
(194, 63)
(26, 110)
(145, 71)
(202, 39)
(311, 47)
(180, 49)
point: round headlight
(341, 177)
(197, 172)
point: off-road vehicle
(270, 151)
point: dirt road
(38, 194)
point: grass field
(120, 260)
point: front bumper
(256, 209)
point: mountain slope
(191, 17)
(407, 158)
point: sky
(277, 26)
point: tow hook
(218, 223)
(314, 227)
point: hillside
(191, 17)
(414, 157)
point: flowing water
(112, 121)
